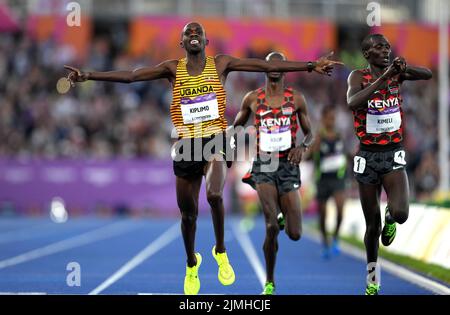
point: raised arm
(246, 109)
(357, 96)
(295, 155)
(228, 63)
(165, 70)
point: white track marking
(163, 240)
(389, 266)
(249, 250)
(31, 232)
(23, 293)
(96, 235)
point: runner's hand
(325, 66)
(392, 70)
(400, 64)
(76, 75)
(295, 155)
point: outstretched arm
(295, 155)
(323, 65)
(163, 70)
(246, 109)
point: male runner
(197, 111)
(278, 111)
(374, 97)
(330, 164)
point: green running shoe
(372, 289)
(281, 221)
(269, 289)
(389, 230)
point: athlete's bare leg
(268, 195)
(370, 202)
(215, 180)
(322, 221)
(397, 189)
(290, 203)
(339, 199)
(187, 198)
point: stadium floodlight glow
(58, 212)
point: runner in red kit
(375, 99)
(279, 112)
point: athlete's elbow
(428, 74)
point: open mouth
(194, 42)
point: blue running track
(132, 256)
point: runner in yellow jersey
(197, 111)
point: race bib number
(332, 163)
(198, 109)
(359, 164)
(279, 140)
(386, 120)
(399, 157)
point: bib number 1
(359, 164)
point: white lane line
(163, 240)
(389, 266)
(250, 251)
(39, 230)
(23, 293)
(96, 235)
(31, 232)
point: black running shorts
(284, 176)
(190, 156)
(327, 186)
(370, 166)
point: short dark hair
(367, 41)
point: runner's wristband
(310, 65)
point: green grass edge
(428, 269)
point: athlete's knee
(373, 230)
(399, 211)
(294, 235)
(294, 231)
(187, 206)
(214, 197)
(400, 216)
(272, 228)
(188, 217)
